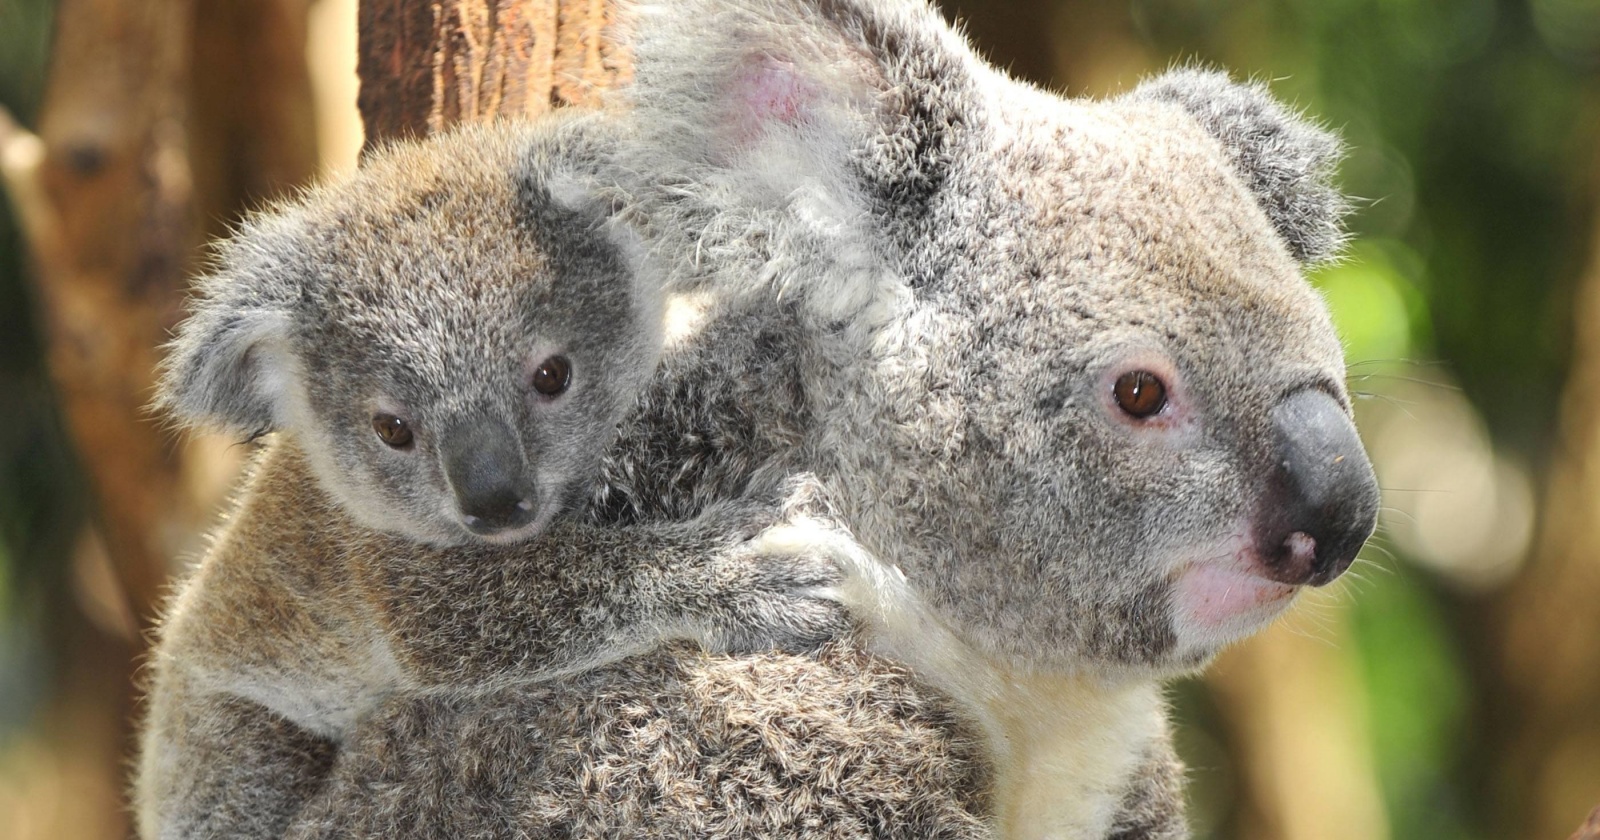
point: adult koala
(1053, 359)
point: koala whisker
(1411, 490)
(1389, 510)
(1386, 563)
(1399, 402)
(1322, 628)
(1410, 380)
(1398, 362)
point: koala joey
(1054, 360)
(442, 348)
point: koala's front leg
(580, 596)
(218, 765)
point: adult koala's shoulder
(1055, 359)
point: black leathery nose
(1325, 499)
(485, 467)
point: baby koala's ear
(1288, 161)
(570, 194)
(229, 365)
(582, 219)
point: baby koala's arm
(296, 627)
(579, 596)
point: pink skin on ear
(766, 90)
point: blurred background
(1449, 687)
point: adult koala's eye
(392, 430)
(552, 376)
(1140, 393)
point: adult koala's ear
(1287, 161)
(829, 123)
(229, 365)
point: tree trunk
(423, 69)
(161, 120)
(107, 207)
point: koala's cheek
(399, 497)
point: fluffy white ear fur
(230, 366)
(761, 120)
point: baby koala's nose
(500, 512)
(484, 466)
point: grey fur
(1288, 161)
(970, 258)
(435, 274)
(675, 744)
(916, 280)
(1152, 807)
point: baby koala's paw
(788, 574)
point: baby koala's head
(451, 335)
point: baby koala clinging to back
(444, 346)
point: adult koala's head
(451, 335)
(1111, 425)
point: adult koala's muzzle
(1322, 501)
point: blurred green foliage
(1418, 705)
(1474, 128)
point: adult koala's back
(1056, 362)
(670, 745)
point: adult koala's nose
(1323, 498)
(484, 465)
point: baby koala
(442, 347)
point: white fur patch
(1065, 745)
(684, 316)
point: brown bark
(254, 134)
(159, 118)
(107, 208)
(111, 194)
(423, 69)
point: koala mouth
(508, 536)
(1229, 597)
(1224, 594)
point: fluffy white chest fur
(1064, 745)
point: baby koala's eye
(552, 376)
(392, 430)
(1140, 394)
